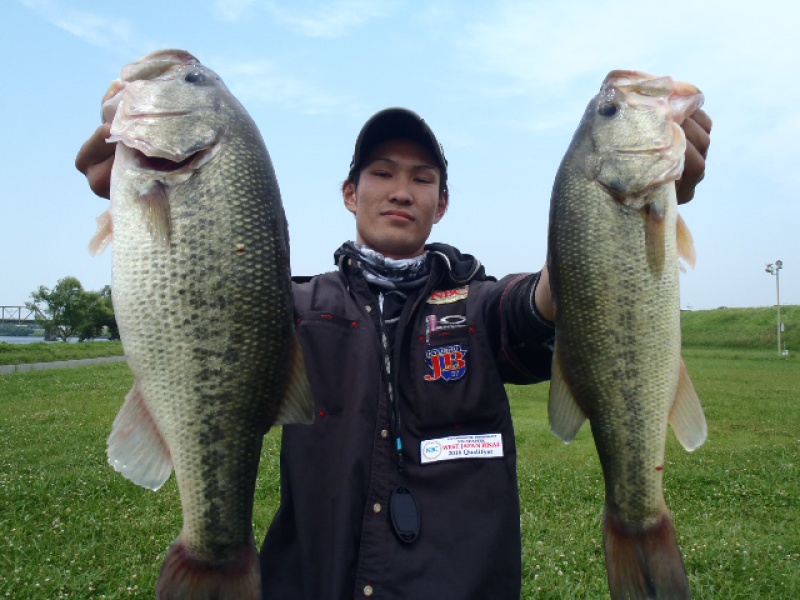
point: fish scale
(202, 296)
(614, 244)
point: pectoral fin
(135, 447)
(655, 235)
(686, 415)
(155, 208)
(104, 234)
(566, 417)
(685, 243)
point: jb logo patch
(448, 363)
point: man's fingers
(95, 149)
(95, 159)
(701, 118)
(697, 129)
(694, 170)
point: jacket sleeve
(522, 338)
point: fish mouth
(635, 151)
(149, 159)
(160, 164)
(133, 114)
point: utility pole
(774, 269)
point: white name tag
(487, 445)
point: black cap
(394, 123)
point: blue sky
(502, 83)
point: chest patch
(448, 296)
(446, 362)
(487, 445)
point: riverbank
(57, 364)
(40, 352)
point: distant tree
(99, 316)
(64, 310)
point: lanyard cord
(387, 342)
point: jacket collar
(448, 262)
(459, 268)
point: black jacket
(458, 342)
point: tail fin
(184, 577)
(644, 565)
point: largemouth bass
(615, 239)
(202, 296)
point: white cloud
(544, 46)
(556, 54)
(232, 10)
(110, 33)
(262, 81)
(330, 19)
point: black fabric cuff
(528, 335)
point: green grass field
(16, 354)
(71, 527)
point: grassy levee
(754, 328)
(71, 527)
(17, 354)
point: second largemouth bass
(614, 243)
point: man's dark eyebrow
(419, 167)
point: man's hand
(95, 159)
(697, 129)
(543, 296)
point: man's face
(397, 199)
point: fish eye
(195, 77)
(607, 109)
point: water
(18, 339)
(30, 339)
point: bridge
(17, 314)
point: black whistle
(405, 515)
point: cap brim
(396, 123)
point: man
(405, 486)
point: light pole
(775, 270)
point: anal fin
(686, 415)
(566, 416)
(136, 447)
(298, 402)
